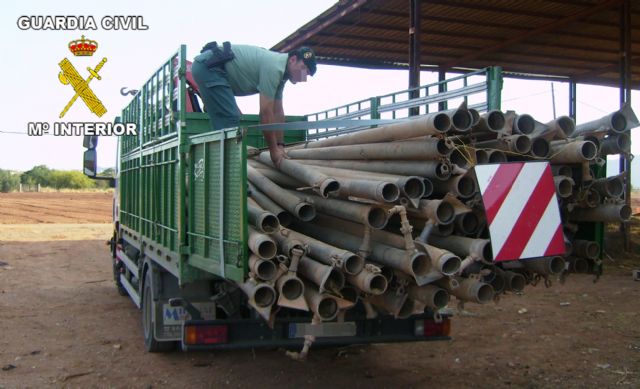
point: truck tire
(148, 321)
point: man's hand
(277, 155)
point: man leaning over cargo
(240, 70)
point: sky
(31, 91)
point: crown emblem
(83, 47)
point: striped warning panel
(521, 209)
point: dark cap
(307, 56)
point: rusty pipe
(263, 221)
(264, 269)
(323, 305)
(261, 245)
(574, 152)
(267, 204)
(425, 149)
(606, 213)
(321, 183)
(429, 169)
(326, 277)
(369, 282)
(303, 211)
(430, 295)
(545, 266)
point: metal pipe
(586, 249)
(276, 175)
(260, 296)
(432, 124)
(323, 305)
(263, 221)
(303, 211)
(429, 169)
(320, 183)
(462, 186)
(521, 124)
(609, 186)
(562, 170)
(425, 149)
(369, 282)
(430, 295)
(540, 148)
(370, 215)
(267, 204)
(614, 121)
(397, 304)
(467, 223)
(520, 144)
(468, 289)
(496, 156)
(545, 266)
(578, 265)
(440, 211)
(492, 121)
(291, 292)
(263, 269)
(560, 128)
(479, 249)
(616, 144)
(606, 213)
(564, 186)
(326, 277)
(574, 152)
(514, 282)
(261, 245)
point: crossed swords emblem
(69, 75)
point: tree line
(52, 178)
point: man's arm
(271, 111)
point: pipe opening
(566, 125)
(556, 265)
(428, 187)
(468, 223)
(390, 192)
(414, 188)
(495, 121)
(353, 264)
(524, 124)
(624, 142)
(378, 284)
(443, 147)
(588, 150)
(267, 249)
(564, 188)
(440, 298)
(484, 294)
(593, 198)
(517, 282)
(442, 171)
(269, 223)
(445, 213)
(475, 116)
(615, 187)
(335, 280)
(266, 270)
(540, 148)
(498, 283)
(459, 159)
(329, 187)
(451, 265)
(466, 186)
(306, 212)
(618, 122)
(625, 212)
(327, 308)
(264, 296)
(592, 250)
(462, 120)
(487, 253)
(292, 289)
(377, 218)
(420, 264)
(522, 144)
(349, 293)
(482, 156)
(441, 122)
(497, 156)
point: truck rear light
(206, 334)
(430, 328)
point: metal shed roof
(575, 39)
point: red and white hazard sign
(521, 209)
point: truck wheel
(148, 321)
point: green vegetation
(56, 179)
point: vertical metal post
(442, 87)
(494, 90)
(572, 100)
(625, 96)
(414, 53)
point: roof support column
(625, 96)
(414, 53)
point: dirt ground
(62, 324)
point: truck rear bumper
(238, 334)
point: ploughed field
(62, 323)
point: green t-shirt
(256, 70)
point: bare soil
(62, 324)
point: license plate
(300, 330)
(176, 315)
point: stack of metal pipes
(389, 220)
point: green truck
(180, 232)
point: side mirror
(90, 163)
(90, 141)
